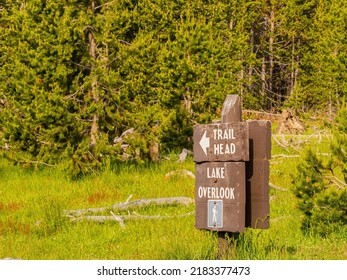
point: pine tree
(323, 67)
(38, 47)
(52, 66)
(321, 187)
(75, 75)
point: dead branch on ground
(82, 214)
(182, 172)
(284, 156)
(336, 182)
(277, 188)
(295, 144)
(122, 218)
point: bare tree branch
(131, 204)
(122, 218)
(277, 188)
(336, 181)
(285, 156)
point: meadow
(33, 224)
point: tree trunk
(241, 81)
(250, 70)
(271, 60)
(263, 77)
(292, 72)
(94, 131)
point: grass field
(33, 225)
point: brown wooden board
(260, 139)
(221, 142)
(257, 174)
(257, 199)
(220, 196)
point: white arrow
(204, 143)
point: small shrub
(321, 186)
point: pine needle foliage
(75, 75)
(321, 186)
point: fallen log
(121, 218)
(131, 204)
(277, 188)
(285, 156)
(180, 173)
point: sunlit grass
(33, 225)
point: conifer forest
(76, 76)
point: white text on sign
(215, 172)
(216, 193)
(223, 134)
(224, 148)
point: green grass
(32, 224)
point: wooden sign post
(224, 185)
(257, 175)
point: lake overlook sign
(227, 186)
(221, 183)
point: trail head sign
(221, 142)
(228, 168)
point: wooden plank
(257, 175)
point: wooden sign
(220, 196)
(232, 174)
(220, 152)
(221, 142)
